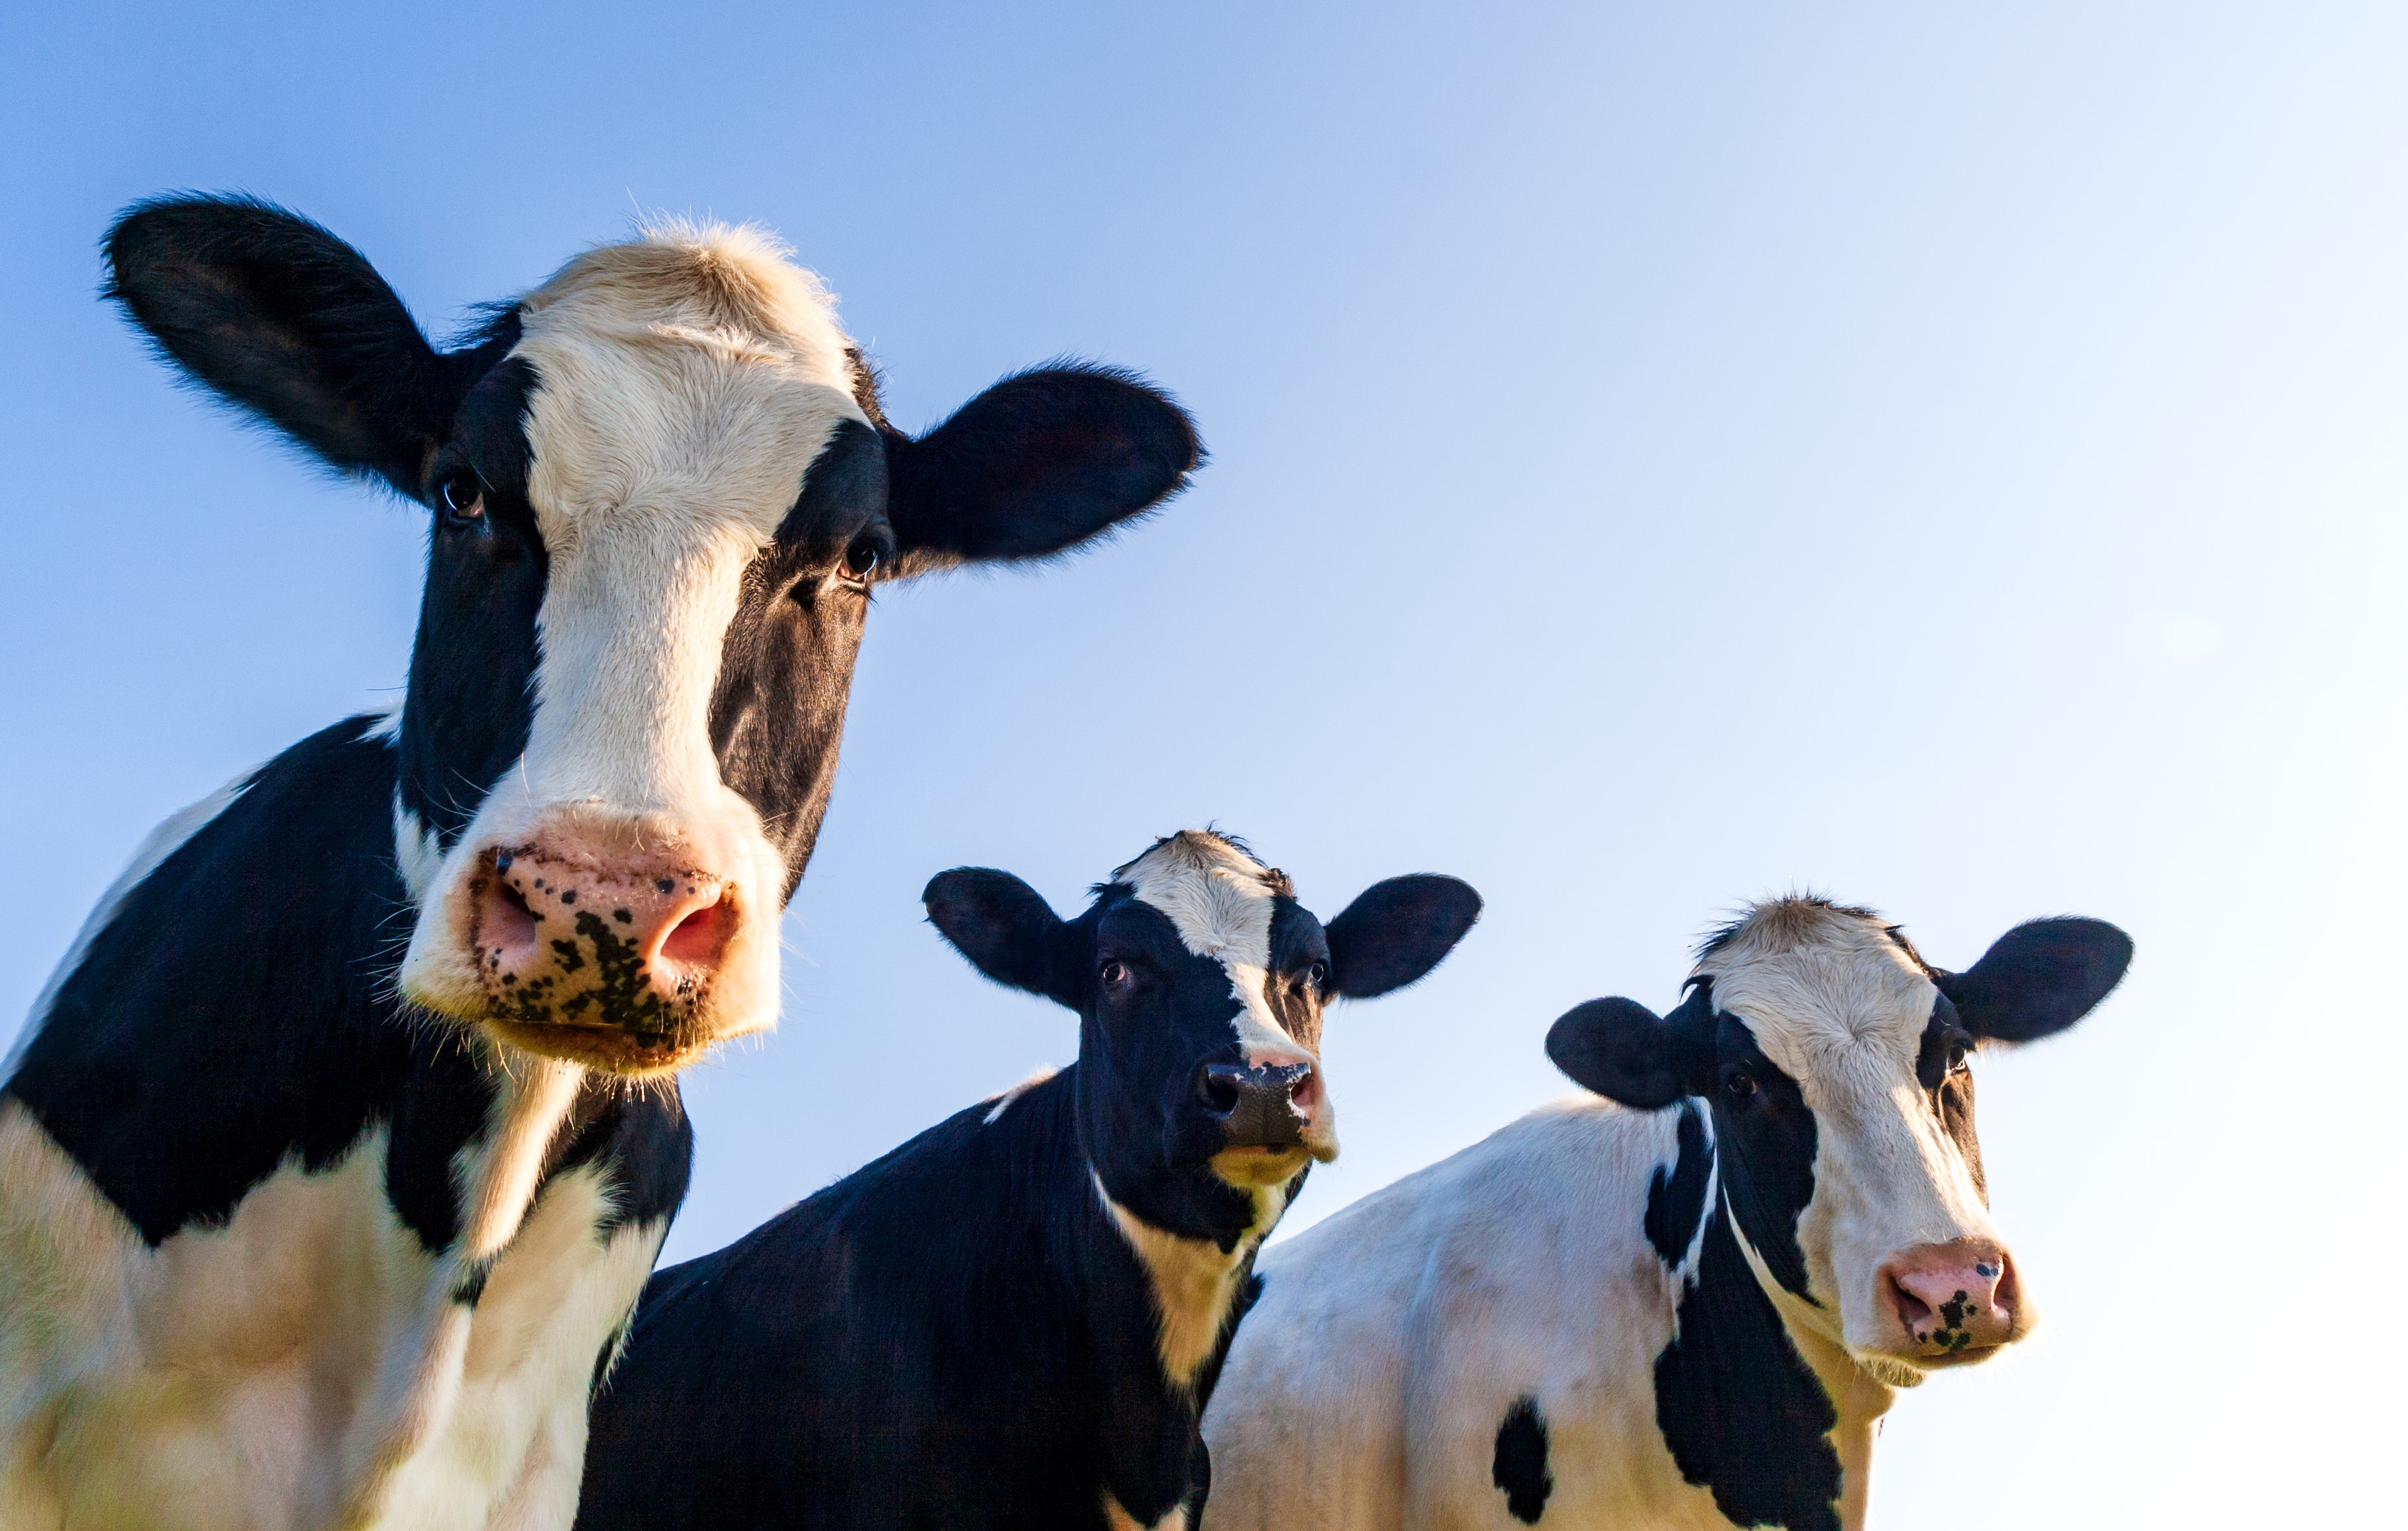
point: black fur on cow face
(562, 465)
(1199, 982)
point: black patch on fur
(956, 1335)
(1676, 1197)
(1739, 1409)
(234, 1012)
(1764, 1145)
(472, 668)
(1521, 1464)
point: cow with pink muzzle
(1684, 1305)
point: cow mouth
(613, 1050)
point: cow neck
(1197, 1275)
(1858, 1399)
(1117, 1294)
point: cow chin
(1253, 1168)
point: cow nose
(1266, 1107)
(567, 936)
(1951, 1297)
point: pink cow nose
(1951, 1297)
(570, 935)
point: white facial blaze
(1220, 901)
(1838, 1006)
(684, 383)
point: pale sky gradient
(1661, 455)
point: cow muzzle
(1271, 1119)
(584, 940)
(1949, 1304)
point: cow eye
(462, 499)
(1956, 1057)
(862, 556)
(1740, 1083)
(1318, 974)
(1114, 973)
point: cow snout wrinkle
(1950, 1299)
(1257, 1106)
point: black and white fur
(291, 1235)
(1645, 1312)
(1014, 1319)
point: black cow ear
(1626, 1052)
(276, 315)
(1035, 466)
(1395, 932)
(2038, 978)
(1006, 929)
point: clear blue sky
(1661, 455)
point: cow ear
(278, 316)
(1395, 932)
(2038, 978)
(1036, 466)
(1627, 1052)
(1006, 929)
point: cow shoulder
(232, 1016)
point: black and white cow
(344, 1138)
(1687, 1305)
(1014, 1319)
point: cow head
(1199, 982)
(661, 494)
(1835, 1061)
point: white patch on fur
(686, 381)
(386, 728)
(1121, 1520)
(1841, 1006)
(156, 847)
(1219, 900)
(303, 1365)
(417, 851)
(1193, 1281)
(1004, 1101)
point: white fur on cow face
(684, 384)
(1221, 900)
(1840, 1006)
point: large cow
(1687, 1304)
(345, 1138)
(1014, 1319)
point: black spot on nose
(623, 916)
(568, 895)
(664, 884)
(1521, 1469)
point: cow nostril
(699, 937)
(510, 924)
(1911, 1310)
(1220, 1085)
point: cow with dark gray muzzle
(347, 1134)
(1685, 1305)
(1014, 1319)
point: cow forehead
(1833, 995)
(1219, 899)
(693, 372)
